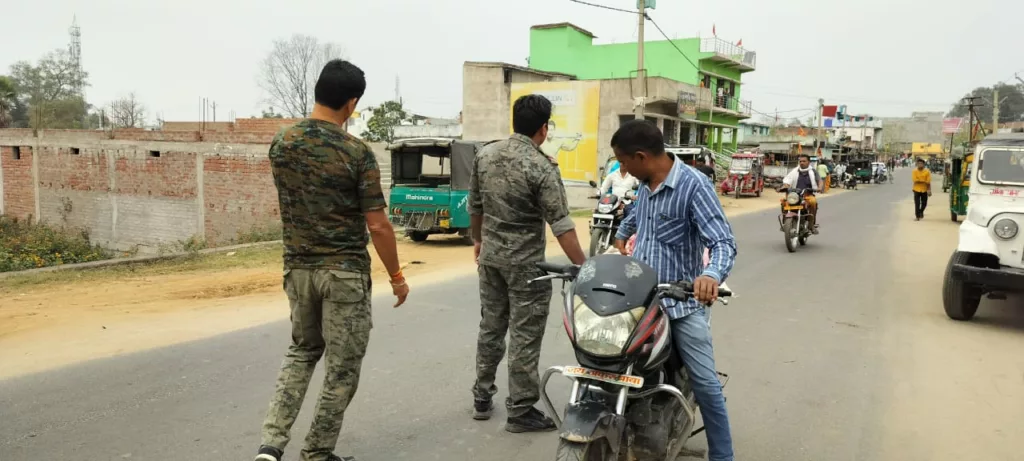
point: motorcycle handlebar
(682, 291)
(569, 270)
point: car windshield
(1002, 166)
(741, 164)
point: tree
(7, 99)
(269, 113)
(49, 90)
(127, 112)
(289, 72)
(381, 126)
(1011, 109)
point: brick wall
(144, 189)
(272, 125)
(18, 195)
(238, 196)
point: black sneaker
(268, 453)
(482, 409)
(532, 421)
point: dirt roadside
(957, 386)
(76, 316)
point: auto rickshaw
(430, 186)
(860, 169)
(746, 174)
(961, 160)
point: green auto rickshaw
(961, 160)
(430, 186)
(861, 169)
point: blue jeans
(692, 336)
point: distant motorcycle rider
(622, 185)
(806, 179)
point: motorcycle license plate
(635, 382)
(788, 208)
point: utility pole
(971, 117)
(641, 74)
(821, 123)
(213, 104)
(995, 109)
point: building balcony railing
(729, 53)
(727, 104)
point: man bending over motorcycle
(677, 216)
(806, 179)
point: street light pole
(639, 102)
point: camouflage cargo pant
(507, 301)
(330, 314)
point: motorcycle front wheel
(576, 451)
(597, 245)
(789, 230)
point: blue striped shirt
(674, 224)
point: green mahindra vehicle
(961, 160)
(430, 186)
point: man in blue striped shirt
(675, 216)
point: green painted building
(710, 71)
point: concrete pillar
(735, 139)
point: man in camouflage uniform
(514, 190)
(329, 189)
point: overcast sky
(880, 57)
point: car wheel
(959, 299)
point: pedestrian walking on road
(922, 179)
(677, 217)
(823, 174)
(328, 186)
(515, 188)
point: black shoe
(482, 409)
(335, 457)
(532, 421)
(268, 453)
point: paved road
(817, 347)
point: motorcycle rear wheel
(577, 451)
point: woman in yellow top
(922, 179)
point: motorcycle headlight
(604, 208)
(792, 198)
(603, 336)
(1005, 229)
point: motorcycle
(605, 221)
(630, 396)
(881, 177)
(793, 220)
(850, 181)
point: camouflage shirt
(326, 179)
(517, 189)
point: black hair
(701, 160)
(808, 157)
(638, 136)
(340, 82)
(530, 113)
(921, 160)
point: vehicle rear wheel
(576, 451)
(418, 236)
(789, 230)
(959, 299)
(597, 245)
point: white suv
(989, 258)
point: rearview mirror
(592, 183)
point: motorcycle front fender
(588, 421)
